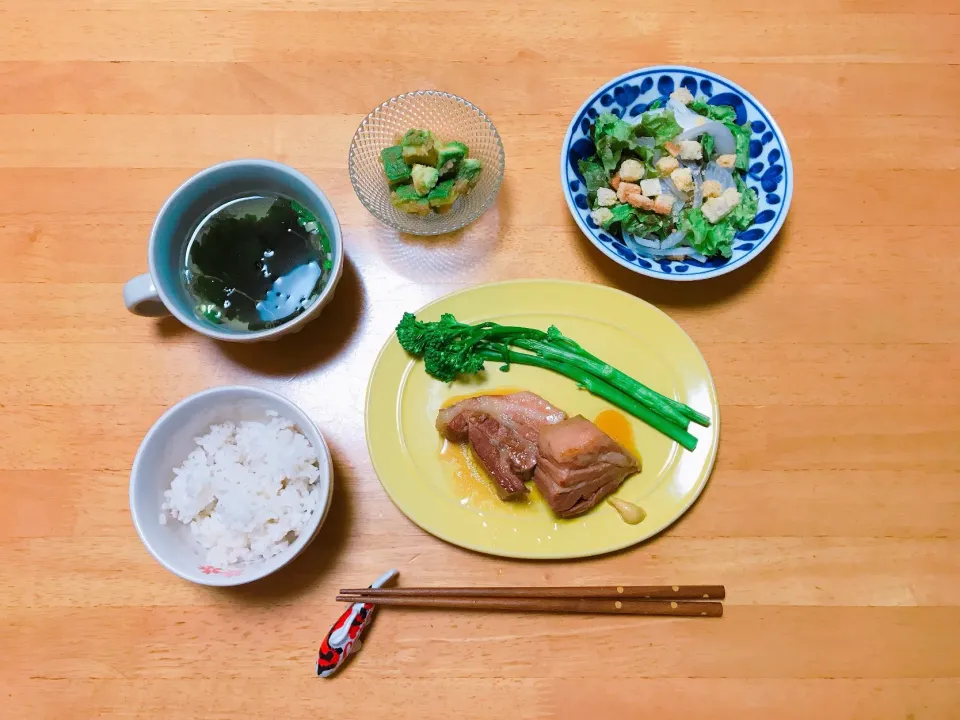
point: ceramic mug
(162, 290)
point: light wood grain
(833, 515)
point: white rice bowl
(247, 491)
(229, 485)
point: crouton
(625, 189)
(711, 189)
(682, 95)
(715, 209)
(683, 179)
(640, 202)
(651, 187)
(727, 161)
(606, 197)
(664, 204)
(601, 215)
(690, 150)
(631, 170)
(667, 165)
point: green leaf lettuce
(611, 136)
(741, 135)
(647, 224)
(721, 113)
(743, 214)
(661, 126)
(707, 239)
(594, 175)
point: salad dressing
(617, 425)
(631, 514)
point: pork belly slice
(512, 431)
(503, 455)
(513, 411)
(579, 465)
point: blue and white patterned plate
(770, 172)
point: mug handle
(141, 297)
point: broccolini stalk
(601, 389)
(653, 400)
(629, 385)
(450, 348)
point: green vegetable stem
(450, 348)
(601, 389)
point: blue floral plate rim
(665, 270)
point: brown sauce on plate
(617, 425)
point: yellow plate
(445, 495)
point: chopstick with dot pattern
(668, 600)
(636, 592)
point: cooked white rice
(246, 491)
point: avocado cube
(449, 156)
(443, 195)
(420, 155)
(417, 136)
(419, 147)
(405, 198)
(424, 178)
(396, 170)
(468, 173)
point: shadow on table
(442, 258)
(169, 328)
(668, 294)
(312, 565)
(317, 343)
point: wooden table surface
(832, 514)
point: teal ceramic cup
(163, 291)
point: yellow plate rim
(692, 496)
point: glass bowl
(450, 118)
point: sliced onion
(685, 117)
(678, 253)
(680, 198)
(641, 244)
(723, 141)
(678, 203)
(720, 174)
(646, 246)
(697, 187)
(673, 239)
(671, 189)
(681, 253)
(670, 247)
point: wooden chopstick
(674, 608)
(635, 592)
